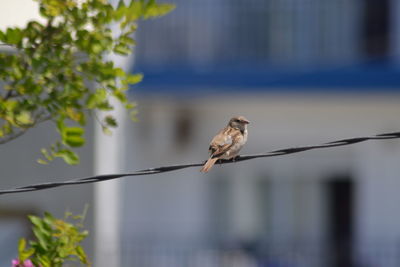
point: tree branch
(21, 130)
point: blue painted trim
(371, 77)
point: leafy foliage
(58, 71)
(57, 241)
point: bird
(228, 142)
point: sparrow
(228, 142)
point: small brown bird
(228, 142)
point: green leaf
(26, 254)
(60, 123)
(75, 115)
(134, 78)
(157, 10)
(120, 11)
(122, 49)
(36, 221)
(2, 37)
(106, 130)
(17, 73)
(46, 154)
(23, 252)
(105, 106)
(9, 105)
(97, 98)
(127, 40)
(81, 254)
(68, 156)
(74, 141)
(24, 118)
(96, 48)
(48, 218)
(110, 121)
(73, 131)
(130, 105)
(42, 161)
(35, 26)
(44, 261)
(121, 96)
(72, 136)
(41, 237)
(13, 36)
(21, 245)
(119, 72)
(135, 11)
(133, 115)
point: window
(376, 28)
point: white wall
(18, 13)
(177, 205)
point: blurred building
(304, 72)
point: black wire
(275, 153)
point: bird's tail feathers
(210, 162)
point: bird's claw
(235, 158)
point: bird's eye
(237, 120)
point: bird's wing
(223, 141)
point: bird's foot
(235, 158)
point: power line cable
(150, 171)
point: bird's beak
(246, 121)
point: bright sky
(17, 12)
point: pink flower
(27, 263)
